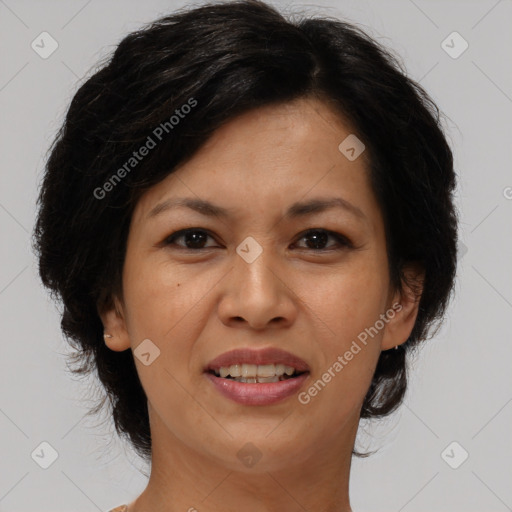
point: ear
(113, 319)
(403, 307)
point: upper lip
(258, 357)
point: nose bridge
(256, 292)
(254, 265)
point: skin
(197, 305)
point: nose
(256, 295)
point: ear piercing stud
(107, 335)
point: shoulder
(120, 508)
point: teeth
(260, 380)
(235, 370)
(251, 371)
(274, 378)
(288, 370)
(266, 370)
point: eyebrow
(296, 210)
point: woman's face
(254, 279)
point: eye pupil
(198, 238)
(320, 238)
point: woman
(250, 224)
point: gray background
(461, 385)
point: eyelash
(343, 241)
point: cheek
(161, 296)
(351, 298)
(169, 306)
(163, 305)
(347, 354)
(349, 302)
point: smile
(252, 373)
(257, 377)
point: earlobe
(116, 344)
(115, 334)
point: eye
(195, 239)
(320, 237)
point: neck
(183, 479)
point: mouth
(260, 377)
(256, 374)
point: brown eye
(319, 237)
(194, 238)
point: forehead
(269, 156)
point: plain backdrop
(461, 386)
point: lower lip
(257, 394)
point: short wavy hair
(230, 58)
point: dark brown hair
(229, 58)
